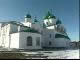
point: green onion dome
(49, 15)
(58, 22)
(35, 20)
(28, 16)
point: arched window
(29, 41)
(50, 35)
(38, 41)
(47, 23)
(50, 43)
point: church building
(32, 34)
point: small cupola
(28, 16)
(35, 20)
(58, 22)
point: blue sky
(66, 10)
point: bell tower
(49, 19)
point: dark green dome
(58, 22)
(28, 16)
(35, 20)
(49, 15)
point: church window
(50, 43)
(50, 35)
(47, 23)
(29, 41)
(38, 41)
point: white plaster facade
(19, 40)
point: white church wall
(6, 30)
(28, 20)
(13, 28)
(45, 21)
(52, 21)
(47, 38)
(55, 42)
(21, 28)
(5, 35)
(23, 40)
(6, 41)
(14, 40)
(36, 26)
(44, 38)
(61, 42)
(28, 24)
(51, 27)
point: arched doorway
(29, 41)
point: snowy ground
(60, 54)
(65, 54)
(68, 54)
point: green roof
(28, 16)
(61, 36)
(49, 15)
(30, 30)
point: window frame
(29, 42)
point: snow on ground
(60, 54)
(65, 54)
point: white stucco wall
(13, 28)
(45, 21)
(60, 42)
(55, 42)
(28, 20)
(28, 24)
(37, 26)
(14, 40)
(5, 35)
(46, 37)
(51, 27)
(52, 21)
(19, 40)
(23, 40)
(21, 28)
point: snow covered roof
(13, 22)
